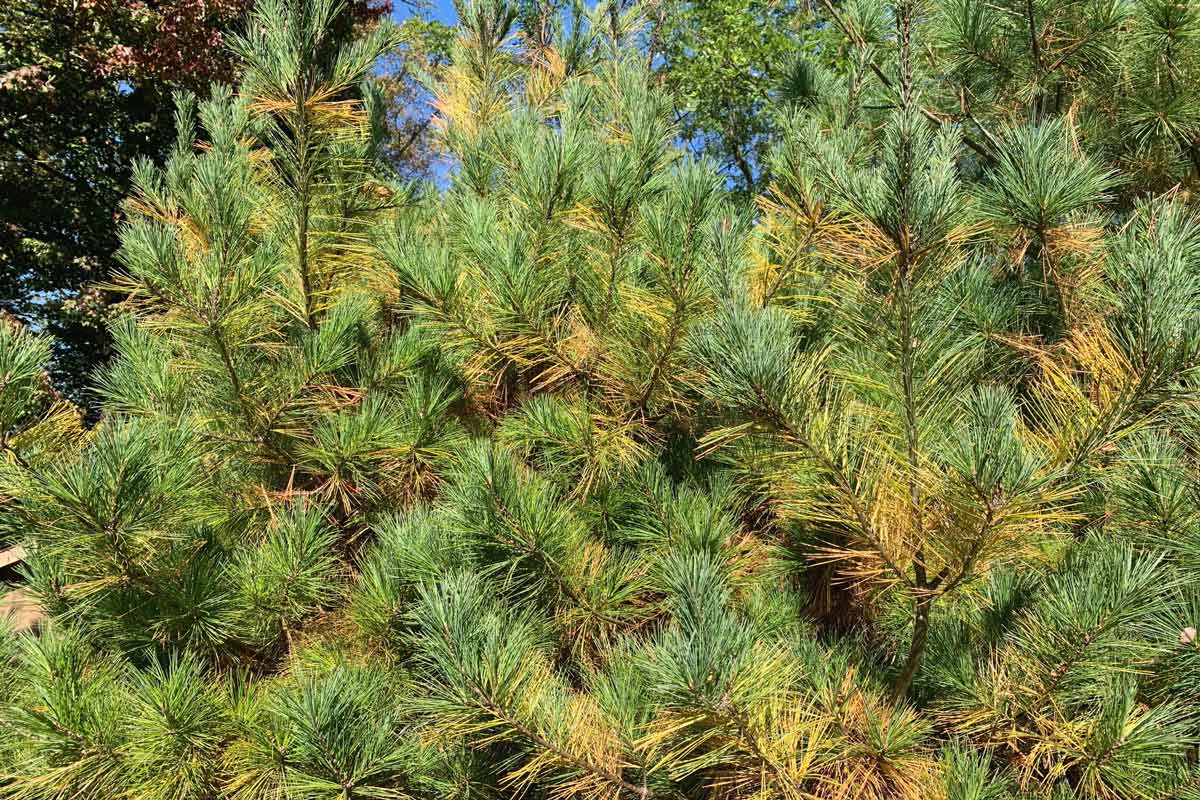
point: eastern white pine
(580, 477)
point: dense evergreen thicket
(582, 478)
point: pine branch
(866, 529)
(577, 761)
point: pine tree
(577, 477)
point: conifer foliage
(579, 478)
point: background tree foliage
(725, 64)
(405, 75)
(582, 477)
(85, 88)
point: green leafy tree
(726, 64)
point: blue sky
(442, 10)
